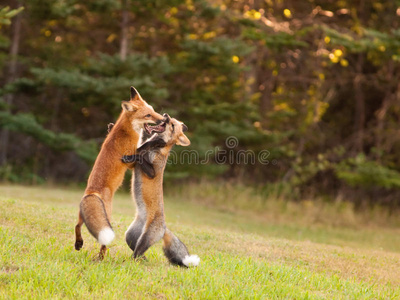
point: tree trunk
(264, 83)
(11, 75)
(124, 30)
(359, 117)
(390, 95)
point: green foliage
(25, 123)
(6, 13)
(370, 40)
(278, 41)
(20, 175)
(360, 172)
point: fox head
(174, 132)
(141, 115)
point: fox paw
(78, 245)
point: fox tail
(176, 251)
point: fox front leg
(142, 157)
(151, 145)
(130, 159)
(143, 161)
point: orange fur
(108, 170)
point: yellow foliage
(281, 106)
(235, 59)
(311, 90)
(189, 5)
(209, 35)
(344, 62)
(333, 58)
(287, 13)
(279, 90)
(251, 80)
(252, 14)
(111, 37)
(338, 52)
(52, 23)
(320, 110)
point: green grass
(244, 254)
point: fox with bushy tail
(149, 225)
(108, 170)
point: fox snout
(158, 119)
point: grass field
(244, 254)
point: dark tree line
(316, 83)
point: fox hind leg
(134, 232)
(151, 234)
(94, 213)
(102, 252)
(78, 233)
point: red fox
(108, 170)
(147, 186)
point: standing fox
(147, 186)
(108, 170)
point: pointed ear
(135, 94)
(183, 141)
(128, 106)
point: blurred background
(313, 84)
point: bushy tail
(94, 214)
(176, 251)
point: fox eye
(173, 128)
(148, 116)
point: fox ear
(135, 94)
(128, 106)
(183, 141)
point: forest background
(302, 97)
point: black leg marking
(152, 235)
(78, 245)
(134, 232)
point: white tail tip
(106, 236)
(191, 260)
